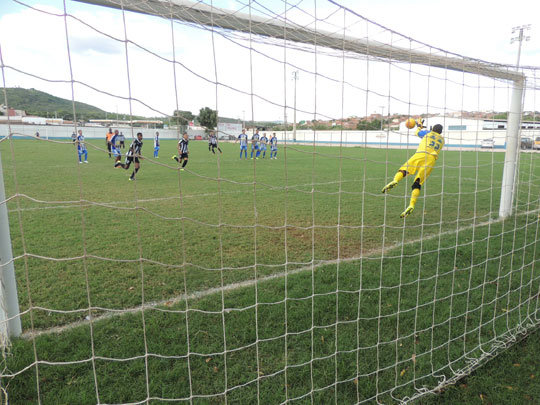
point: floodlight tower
(520, 38)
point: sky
(258, 85)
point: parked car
(536, 144)
(488, 143)
(526, 142)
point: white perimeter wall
(384, 139)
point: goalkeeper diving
(421, 163)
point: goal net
(269, 275)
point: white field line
(118, 204)
(244, 284)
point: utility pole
(520, 38)
(295, 78)
(382, 115)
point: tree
(208, 118)
(365, 125)
(180, 117)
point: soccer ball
(411, 123)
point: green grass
(352, 315)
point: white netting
(264, 281)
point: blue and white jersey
(156, 141)
(114, 149)
(255, 140)
(243, 139)
(264, 141)
(273, 143)
(81, 146)
(212, 140)
(114, 139)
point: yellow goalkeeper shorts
(423, 163)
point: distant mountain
(36, 102)
(39, 103)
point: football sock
(134, 172)
(414, 196)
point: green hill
(39, 103)
(36, 102)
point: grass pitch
(262, 281)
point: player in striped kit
(183, 151)
(255, 144)
(273, 146)
(81, 147)
(243, 143)
(133, 155)
(213, 143)
(243, 138)
(156, 145)
(263, 143)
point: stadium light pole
(295, 78)
(382, 115)
(520, 38)
(10, 320)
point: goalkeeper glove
(420, 123)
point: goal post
(10, 321)
(206, 15)
(246, 278)
(512, 149)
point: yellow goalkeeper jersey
(431, 143)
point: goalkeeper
(421, 163)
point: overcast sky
(329, 85)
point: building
(469, 125)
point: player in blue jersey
(263, 143)
(273, 146)
(243, 138)
(255, 144)
(81, 147)
(115, 149)
(156, 145)
(183, 151)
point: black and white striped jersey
(183, 145)
(135, 148)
